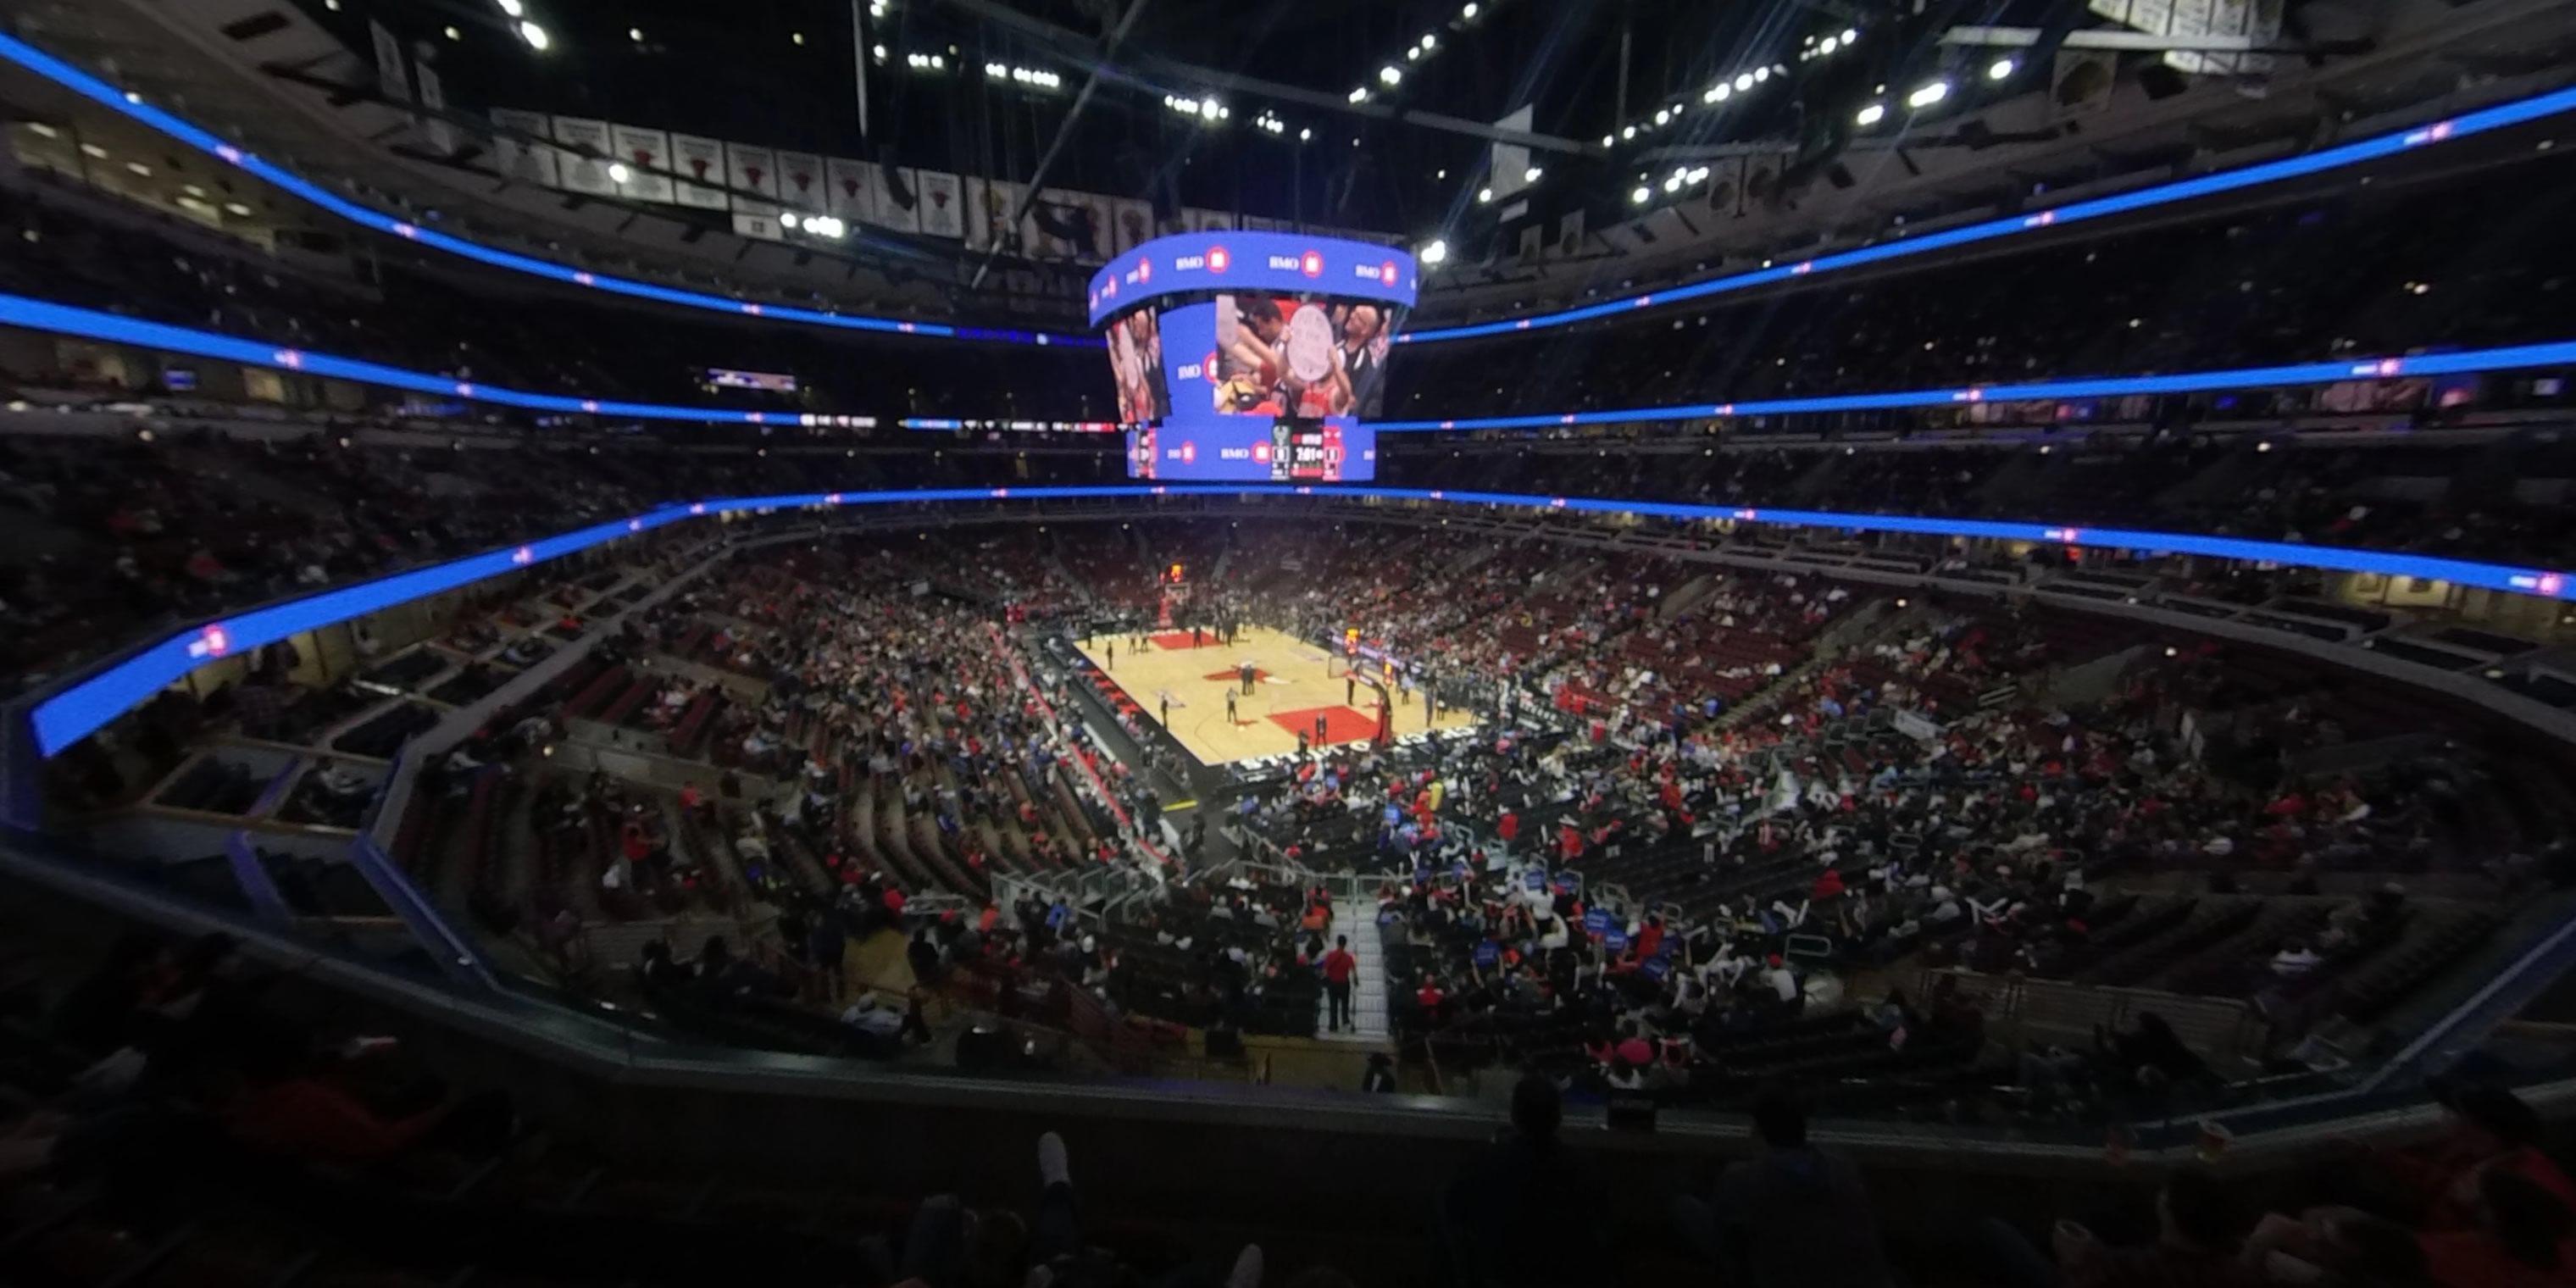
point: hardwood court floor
(1292, 685)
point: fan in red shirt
(1339, 966)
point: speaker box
(2160, 81)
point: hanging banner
(802, 182)
(702, 172)
(1135, 220)
(1726, 187)
(518, 154)
(1055, 226)
(434, 129)
(585, 155)
(1569, 235)
(993, 211)
(1508, 164)
(753, 174)
(758, 224)
(390, 80)
(846, 182)
(940, 198)
(1762, 182)
(647, 154)
(1533, 243)
(898, 202)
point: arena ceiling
(1384, 114)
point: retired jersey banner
(647, 154)
(586, 150)
(434, 129)
(519, 154)
(701, 166)
(940, 197)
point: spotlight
(1850, 34)
(535, 36)
(1642, 195)
(1699, 175)
(1469, 11)
(635, 34)
(1662, 116)
(1532, 175)
(617, 172)
(1743, 81)
(1673, 184)
(1390, 75)
(1304, 135)
(1484, 196)
(1430, 41)
(513, 9)
(1870, 115)
(1628, 133)
(1359, 95)
(1829, 44)
(1761, 73)
(1608, 139)
(787, 220)
(2000, 69)
(1929, 94)
(1435, 253)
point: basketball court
(1294, 685)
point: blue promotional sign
(1616, 941)
(1657, 966)
(1294, 263)
(1459, 869)
(1534, 881)
(1487, 954)
(1597, 922)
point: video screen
(1272, 355)
(1241, 449)
(1136, 363)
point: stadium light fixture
(1413, 55)
(1360, 95)
(513, 9)
(1743, 81)
(618, 173)
(1761, 74)
(635, 34)
(787, 219)
(1642, 195)
(1390, 75)
(452, 33)
(1469, 11)
(1608, 139)
(1850, 34)
(1430, 41)
(1484, 196)
(1533, 174)
(1436, 253)
(1663, 115)
(1928, 95)
(1870, 115)
(1628, 133)
(1673, 184)
(1829, 44)
(1305, 135)
(2001, 69)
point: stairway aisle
(1357, 918)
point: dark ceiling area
(1408, 160)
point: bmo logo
(1197, 370)
(1383, 274)
(1218, 260)
(1311, 264)
(1261, 453)
(1234, 454)
(1189, 453)
(1144, 270)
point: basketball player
(1167, 711)
(1350, 690)
(1320, 739)
(1113, 653)
(1247, 678)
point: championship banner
(1762, 181)
(1508, 165)
(940, 200)
(518, 155)
(646, 153)
(892, 211)
(755, 171)
(585, 155)
(1210, 221)
(847, 181)
(801, 181)
(702, 172)
(1533, 243)
(991, 225)
(1102, 213)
